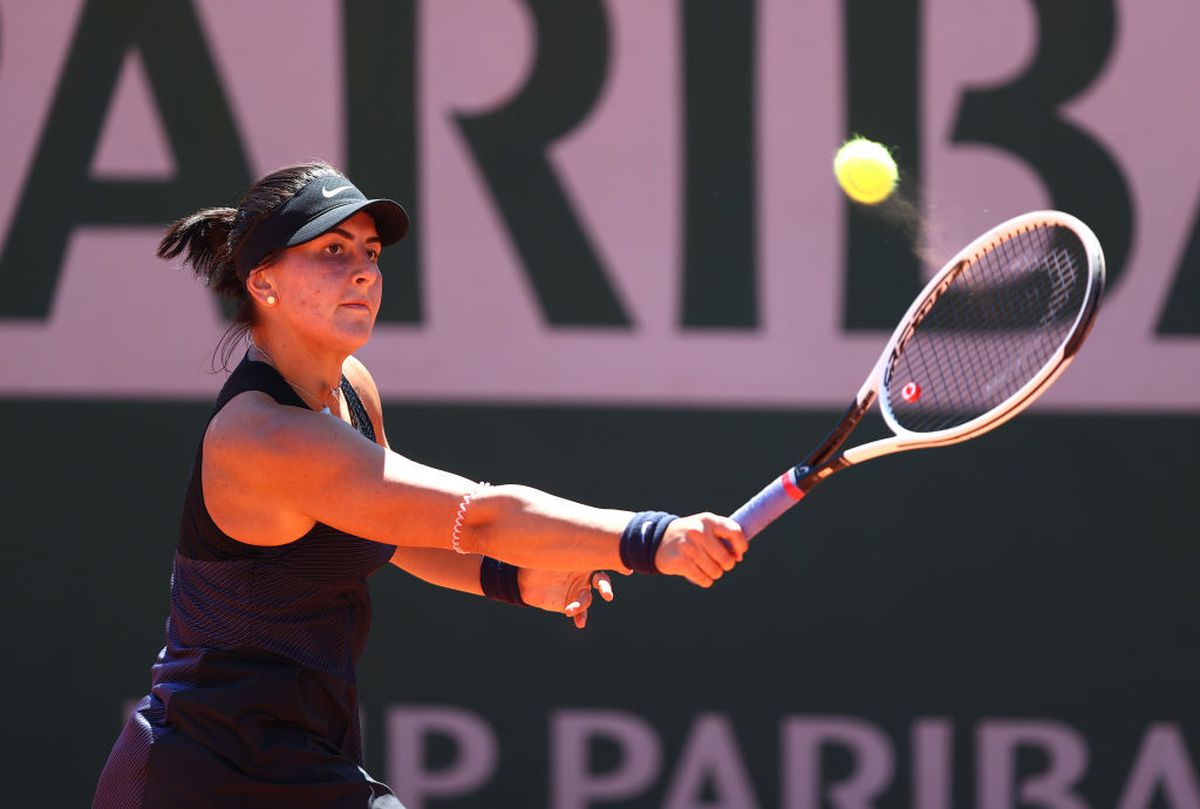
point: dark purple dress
(254, 699)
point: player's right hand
(701, 548)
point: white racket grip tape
(769, 504)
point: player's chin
(353, 326)
(339, 342)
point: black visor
(314, 209)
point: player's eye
(333, 248)
(372, 255)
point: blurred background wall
(627, 235)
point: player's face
(329, 288)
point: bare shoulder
(239, 417)
(368, 392)
(250, 425)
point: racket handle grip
(769, 504)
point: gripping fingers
(723, 540)
(716, 550)
(732, 536)
(698, 577)
(699, 553)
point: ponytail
(204, 236)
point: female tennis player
(295, 498)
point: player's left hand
(567, 593)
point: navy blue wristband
(499, 581)
(641, 538)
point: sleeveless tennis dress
(254, 700)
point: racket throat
(804, 478)
(825, 459)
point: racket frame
(903, 439)
(825, 460)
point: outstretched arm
(280, 469)
(270, 472)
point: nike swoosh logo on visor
(333, 192)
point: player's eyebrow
(345, 234)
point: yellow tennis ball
(865, 170)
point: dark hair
(210, 239)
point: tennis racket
(988, 335)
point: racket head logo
(911, 392)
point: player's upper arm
(299, 462)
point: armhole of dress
(210, 541)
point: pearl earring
(270, 300)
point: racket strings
(1002, 318)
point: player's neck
(314, 374)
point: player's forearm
(530, 528)
(444, 568)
